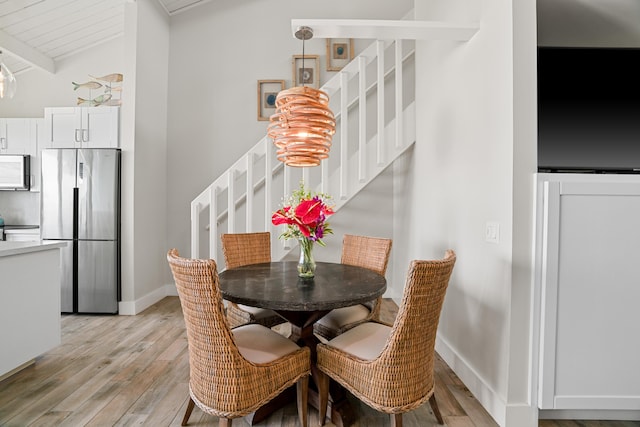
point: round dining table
(302, 302)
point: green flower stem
(306, 264)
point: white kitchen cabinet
(21, 136)
(17, 136)
(588, 272)
(82, 127)
(38, 136)
(29, 302)
(28, 235)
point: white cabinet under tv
(588, 277)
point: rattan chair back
(246, 248)
(241, 249)
(367, 252)
(221, 381)
(411, 344)
(360, 251)
(401, 378)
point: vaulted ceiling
(37, 33)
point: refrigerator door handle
(77, 135)
(75, 212)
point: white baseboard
(131, 308)
(586, 414)
(488, 398)
(506, 415)
(171, 290)
(521, 415)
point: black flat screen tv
(589, 110)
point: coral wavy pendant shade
(7, 81)
(303, 125)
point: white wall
(144, 139)
(522, 384)
(463, 177)
(474, 162)
(20, 207)
(218, 53)
(38, 89)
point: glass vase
(306, 264)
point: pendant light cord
(303, 61)
(303, 33)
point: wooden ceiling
(37, 33)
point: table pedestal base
(283, 399)
(341, 413)
(339, 408)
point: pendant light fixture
(7, 81)
(303, 125)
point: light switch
(492, 232)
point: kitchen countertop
(16, 248)
(20, 227)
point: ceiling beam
(386, 30)
(15, 47)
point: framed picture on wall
(339, 53)
(267, 93)
(306, 71)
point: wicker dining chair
(391, 368)
(361, 251)
(232, 372)
(243, 249)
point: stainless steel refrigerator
(80, 203)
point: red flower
(309, 211)
(304, 215)
(280, 217)
(304, 230)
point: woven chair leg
(436, 410)
(224, 422)
(302, 389)
(323, 391)
(396, 420)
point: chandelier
(303, 125)
(7, 81)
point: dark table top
(277, 286)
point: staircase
(372, 99)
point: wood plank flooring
(134, 370)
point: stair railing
(243, 198)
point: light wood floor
(133, 370)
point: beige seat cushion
(365, 341)
(340, 317)
(258, 313)
(259, 344)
